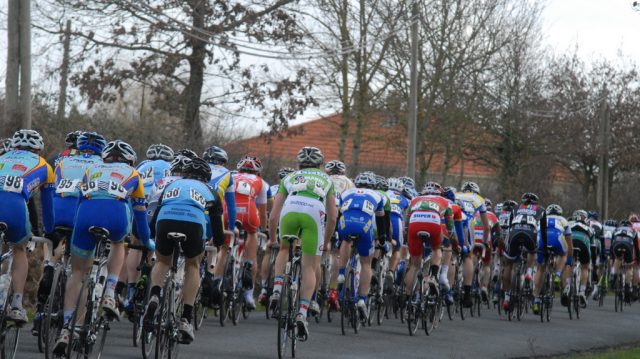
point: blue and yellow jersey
(151, 172)
(24, 172)
(470, 203)
(70, 171)
(399, 203)
(117, 181)
(221, 180)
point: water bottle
(5, 281)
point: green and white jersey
(309, 182)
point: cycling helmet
(178, 163)
(395, 184)
(449, 193)
(580, 215)
(529, 198)
(284, 171)
(611, 223)
(310, 156)
(249, 164)
(594, 215)
(71, 140)
(27, 140)
(120, 151)
(160, 152)
(335, 167)
(554, 209)
(633, 218)
(381, 183)
(408, 182)
(625, 223)
(432, 188)
(488, 203)
(186, 153)
(470, 187)
(197, 169)
(509, 205)
(216, 155)
(365, 180)
(91, 141)
(498, 207)
(5, 145)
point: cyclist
(471, 203)
(504, 211)
(68, 175)
(251, 209)
(409, 187)
(485, 250)
(608, 228)
(596, 249)
(362, 211)
(303, 201)
(525, 222)
(156, 166)
(70, 142)
(110, 192)
(264, 267)
(399, 205)
(624, 249)
(635, 223)
(452, 244)
(558, 236)
(184, 207)
(222, 181)
(582, 236)
(429, 212)
(22, 173)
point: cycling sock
(341, 271)
(444, 271)
(362, 298)
(263, 283)
(131, 290)
(66, 315)
(582, 288)
(16, 301)
(277, 283)
(155, 290)
(304, 307)
(112, 281)
(187, 312)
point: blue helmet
(91, 141)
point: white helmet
(27, 139)
(470, 187)
(120, 150)
(310, 156)
(395, 184)
(160, 152)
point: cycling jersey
(526, 221)
(110, 191)
(250, 190)
(623, 244)
(341, 183)
(582, 235)
(430, 214)
(154, 196)
(478, 235)
(470, 203)
(222, 181)
(359, 207)
(55, 160)
(303, 213)
(21, 174)
(399, 205)
(558, 231)
(69, 173)
(607, 234)
(152, 172)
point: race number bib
(345, 206)
(115, 189)
(396, 208)
(522, 219)
(68, 186)
(368, 208)
(13, 184)
(147, 176)
(244, 188)
(198, 197)
(171, 194)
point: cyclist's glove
(569, 261)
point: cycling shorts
(355, 223)
(113, 215)
(584, 256)
(520, 235)
(15, 214)
(64, 209)
(304, 217)
(397, 224)
(557, 242)
(424, 221)
(247, 214)
(192, 247)
(623, 248)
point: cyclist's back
(358, 207)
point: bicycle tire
(163, 339)
(381, 308)
(294, 297)
(198, 310)
(430, 315)
(102, 326)
(80, 342)
(10, 339)
(51, 327)
(413, 309)
(283, 320)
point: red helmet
(250, 164)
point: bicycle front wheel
(414, 313)
(283, 320)
(10, 338)
(52, 321)
(78, 348)
(98, 337)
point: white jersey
(341, 183)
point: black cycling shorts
(622, 249)
(584, 256)
(192, 247)
(521, 235)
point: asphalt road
(489, 336)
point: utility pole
(413, 94)
(25, 62)
(64, 73)
(18, 79)
(603, 173)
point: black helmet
(160, 152)
(580, 215)
(530, 198)
(216, 155)
(119, 151)
(197, 169)
(509, 205)
(178, 164)
(186, 153)
(284, 171)
(625, 223)
(611, 223)
(335, 167)
(381, 183)
(71, 139)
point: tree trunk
(12, 114)
(64, 73)
(25, 63)
(193, 92)
(346, 108)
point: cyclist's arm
(543, 229)
(275, 216)
(485, 225)
(261, 200)
(140, 213)
(449, 222)
(33, 216)
(216, 220)
(46, 199)
(332, 217)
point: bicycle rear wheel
(413, 308)
(77, 348)
(10, 338)
(198, 311)
(163, 324)
(52, 321)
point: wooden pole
(64, 73)
(12, 115)
(25, 62)
(413, 95)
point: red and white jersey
(249, 186)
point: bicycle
(457, 288)
(167, 316)
(475, 283)
(349, 294)
(273, 253)
(518, 293)
(603, 282)
(231, 285)
(200, 310)
(90, 328)
(574, 298)
(375, 299)
(496, 285)
(286, 310)
(142, 291)
(423, 304)
(322, 294)
(547, 292)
